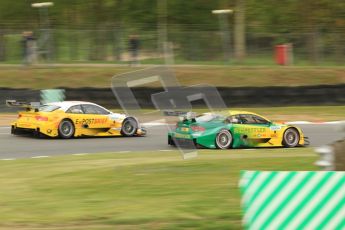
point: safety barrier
(237, 96)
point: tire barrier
(236, 96)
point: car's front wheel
(129, 127)
(291, 138)
(66, 129)
(223, 139)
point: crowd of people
(30, 50)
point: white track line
(314, 123)
(123, 152)
(335, 122)
(8, 159)
(299, 122)
(36, 157)
(80, 154)
(151, 124)
(165, 150)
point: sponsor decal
(92, 121)
(244, 130)
(180, 135)
(183, 129)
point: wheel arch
(137, 125)
(131, 117)
(228, 130)
(299, 131)
(67, 119)
(293, 127)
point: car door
(76, 114)
(94, 117)
(255, 130)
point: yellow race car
(73, 119)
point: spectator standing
(29, 48)
(133, 46)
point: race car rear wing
(22, 104)
(181, 114)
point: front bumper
(141, 131)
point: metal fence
(188, 46)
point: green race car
(234, 129)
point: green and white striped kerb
(52, 95)
(293, 200)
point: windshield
(210, 117)
(48, 108)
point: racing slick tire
(224, 139)
(129, 127)
(291, 138)
(66, 129)
(171, 141)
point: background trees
(313, 25)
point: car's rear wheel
(14, 130)
(66, 129)
(291, 138)
(171, 141)
(223, 139)
(129, 127)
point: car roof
(237, 112)
(65, 105)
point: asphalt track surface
(27, 146)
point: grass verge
(146, 190)
(43, 78)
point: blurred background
(253, 32)
(282, 59)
